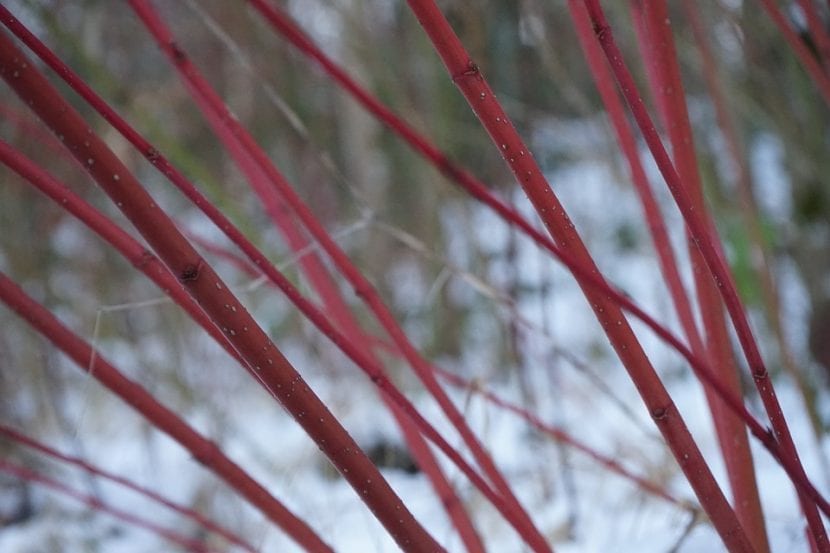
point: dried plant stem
(202, 282)
(468, 79)
(561, 436)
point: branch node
(471, 70)
(191, 272)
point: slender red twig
(207, 98)
(628, 144)
(315, 315)
(807, 59)
(653, 29)
(200, 519)
(213, 295)
(699, 226)
(467, 77)
(700, 368)
(338, 312)
(149, 264)
(30, 475)
(761, 257)
(203, 450)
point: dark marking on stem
(471, 70)
(178, 54)
(760, 374)
(191, 272)
(363, 291)
(145, 259)
(152, 155)
(659, 414)
(601, 30)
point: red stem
(655, 36)
(203, 450)
(207, 99)
(468, 78)
(628, 144)
(761, 258)
(94, 503)
(699, 226)
(818, 31)
(224, 309)
(205, 522)
(701, 369)
(340, 315)
(149, 264)
(807, 59)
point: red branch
(467, 77)
(699, 226)
(203, 450)
(213, 295)
(653, 29)
(699, 366)
(200, 519)
(208, 100)
(94, 503)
